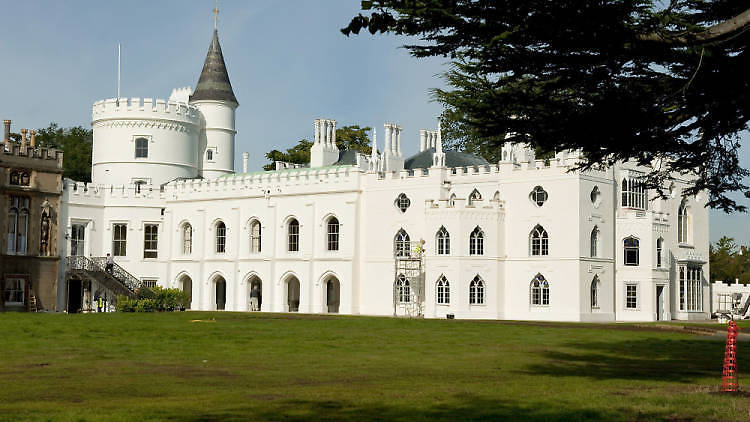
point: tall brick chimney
(6, 137)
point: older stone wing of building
(438, 234)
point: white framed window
(150, 240)
(452, 200)
(443, 291)
(77, 239)
(403, 289)
(443, 241)
(476, 242)
(293, 235)
(538, 196)
(631, 296)
(476, 291)
(539, 291)
(221, 237)
(18, 225)
(187, 239)
(630, 246)
(255, 239)
(402, 202)
(332, 234)
(119, 239)
(141, 148)
(209, 154)
(660, 252)
(683, 224)
(15, 291)
(149, 282)
(401, 244)
(634, 194)
(595, 286)
(538, 241)
(595, 242)
(691, 290)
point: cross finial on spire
(216, 14)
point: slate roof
(213, 83)
(346, 158)
(452, 159)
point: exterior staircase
(119, 281)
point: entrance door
(659, 303)
(75, 296)
(221, 294)
(293, 295)
(77, 239)
(332, 296)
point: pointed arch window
(538, 241)
(403, 289)
(683, 224)
(595, 242)
(476, 291)
(474, 196)
(634, 194)
(255, 240)
(497, 196)
(221, 237)
(443, 241)
(293, 235)
(402, 202)
(631, 251)
(452, 200)
(332, 228)
(443, 291)
(18, 225)
(595, 286)
(539, 291)
(476, 242)
(187, 239)
(401, 243)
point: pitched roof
(213, 83)
(452, 159)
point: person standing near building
(110, 266)
(99, 304)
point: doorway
(659, 303)
(333, 293)
(75, 296)
(221, 294)
(292, 294)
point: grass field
(236, 366)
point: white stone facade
(340, 256)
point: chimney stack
(6, 138)
(23, 139)
(33, 138)
(245, 156)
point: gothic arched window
(443, 241)
(683, 224)
(595, 242)
(476, 291)
(476, 242)
(401, 243)
(187, 239)
(538, 241)
(539, 291)
(332, 232)
(221, 237)
(293, 235)
(255, 245)
(403, 289)
(631, 251)
(443, 291)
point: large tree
(76, 144)
(351, 138)
(647, 80)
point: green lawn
(237, 366)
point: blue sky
(287, 61)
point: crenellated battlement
(74, 189)
(145, 108)
(46, 154)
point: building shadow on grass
(643, 359)
(469, 408)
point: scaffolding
(408, 282)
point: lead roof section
(213, 83)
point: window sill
(445, 305)
(539, 306)
(663, 269)
(477, 305)
(632, 309)
(686, 245)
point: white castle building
(518, 239)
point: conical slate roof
(214, 81)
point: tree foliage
(728, 261)
(76, 143)
(350, 138)
(645, 80)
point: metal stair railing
(119, 273)
(91, 267)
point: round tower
(215, 99)
(142, 141)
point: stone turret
(214, 97)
